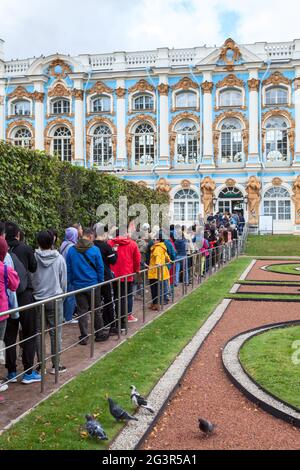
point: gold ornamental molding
(253, 84)
(78, 94)
(100, 88)
(139, 119)
(185, 184)
(20, 123)
(121, 92)
(59, 90)
(38, 96)
(20, 92)
(208, 187)
(297, 83)
(230, 53)
(207, 87)
(54, 123)
(172, 134)
(65, 68)
(278, 112)
(291, 134)
(296, 199)
(216, 140)
(277, 181)
(230, 114)
(277, 79)
(163, 186)
(141, 86)
(253, 190)
(217, 132)
(98, 120)
(1, 100)
(185, 84)
(163, 89)
(230, 183)
(231, 81)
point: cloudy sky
(34, 27)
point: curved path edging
(247, 385)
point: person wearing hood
(86, 269)
(49, 280)
(128, 263)
(158, 270)
(71, 238)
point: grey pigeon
(140, 401)
(206, 427)
(118, 413)
(95, 429)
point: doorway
(231, 200)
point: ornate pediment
(141, 86)
(230, 183)
(59, 90)
(277, 181)
(253, 84)
(185, 84)
(231, 81)
(20, 92)
(59, 69)
(163, 89)
(230, 54)
(121, 92)
(163, 186)
(277, 79)
(185, 184)
(99, 88)
(207, 87)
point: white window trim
(51, 136)
(293, 209)
(184, 165)
(58, 98)
(134, 95)
(237, 88)
(288, 158)
(92, 135)
(11, 102)
(144, 166)
(94, 96)
(267, 87)
(235, 164)
(189, 90)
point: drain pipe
(84, 116)
(148, 70)
(5, 103)
(200, 117)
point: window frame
(103, 137)
(230, 142)
(21, 100)
(22, 139)
(269, 88)
(277, 203)
(57, 100)
(61, 141)
(187, 140)
(137, 153)
(186, 205)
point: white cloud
(32, 27)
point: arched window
(102, 146)
(61, 106)
(231, 141)
(276, 139)
(21, 108)
(277, 203)
(186, 206)
(187, 142)
(277, 95)
(186, 99)
(143, 102)
(101, 104)
(22, 138)
(62, 146)
(231, 97)
(144, 147)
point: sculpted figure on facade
(296, 199)
(163, 186)
(208, 187)
(253, 190)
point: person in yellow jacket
(158, 272)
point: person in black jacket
(109, 257)
(27, 319)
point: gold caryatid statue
(296, 199)
(208, 187)
(253, 190)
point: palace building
(218, 128)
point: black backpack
(22, 273)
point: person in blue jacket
(86, 269)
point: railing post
(144, 296)
(126, 305)
(93, 321)
(162, 301)
(158, 288)
(210, 262)
(56, 343)
(119, 309)
(193, 271)
(183, 276)
(43, 348)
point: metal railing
(187, 273)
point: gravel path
(207, 392)
(257, 274)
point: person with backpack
(49, 280)
(24, 257)
(9, 279)
(71, 238)
(86, 269)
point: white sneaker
(3, 387)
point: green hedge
(38, 191)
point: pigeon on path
(95, 429)
(140, 401)
(118, 413)
(206, 427)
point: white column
(297, 116)
(207, 113)
(163, 90)
(79, 127)
(2, 112)
(39, 115)
(121, 123)
(253, 84)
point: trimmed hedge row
(38, 191)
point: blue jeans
(181, 266)
(69, 305)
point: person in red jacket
(129, 260)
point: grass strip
(142, 360)
(266, 297)
(284, 269)
(272, 360)
(269, 283)
(272, 245)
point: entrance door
(231, 200)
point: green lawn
(261, 297)
(285, 268)
(268, 359)
(273, 245)
(141, 361)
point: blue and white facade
(218, 128)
